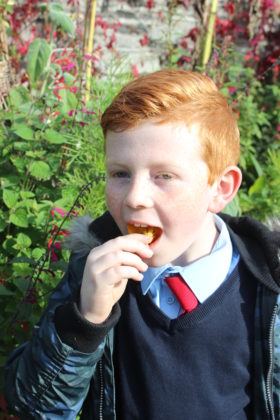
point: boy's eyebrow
(164, 165)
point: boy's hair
(180, 96)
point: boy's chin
(156, 261)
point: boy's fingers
(115, 274)
(119, 258)
(134, 243)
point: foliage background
(51, 145)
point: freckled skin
(156, 176)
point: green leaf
(21, 284)
(10, 198)
(5, 291)
(19, 218)
(23, 241)
(9, 180)
(19, 163)
(37, 253)
(60, 18)
(21, 146)
(68, 78)
(36, 153)
(259, 186)
(68, 101)
(24, 131)
(37, 58)
(19, 95)
(257, 166)
(40, 170)
(54, 137)
(26, 194)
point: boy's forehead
(158, 139)
(156, 128)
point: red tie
(182, 292)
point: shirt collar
(202, 275)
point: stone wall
(138, 22)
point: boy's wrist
(80, 333)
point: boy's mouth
(153, 231)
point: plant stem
(89, 46)
(44, 85)
(209, 34)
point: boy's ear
(225, 188)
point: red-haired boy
(167, 309)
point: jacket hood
(258, 244)
(259, 247)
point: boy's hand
(107, 270)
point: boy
(172, 147)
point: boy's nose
(139, 195)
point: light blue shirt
(203, 276)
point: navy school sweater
(196, 367)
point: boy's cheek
(114, 208)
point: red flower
(192, 34)
(145, 40)
(134, 70)
(231, 89)
(229, 8)
(112, 40)
(184, 43)
(150, 4)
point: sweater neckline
(153, 314)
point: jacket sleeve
(49, 376)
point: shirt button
(170, 300)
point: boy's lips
(153, 231)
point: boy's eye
(165, 176)
(120, 174)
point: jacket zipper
(100, 366)
(269, 373)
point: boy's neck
(203, 245)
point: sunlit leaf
(60, 18)
(54, 137)
(10, 198)
(19, 218)
(24, 131)
(40, 170)
(37, 58)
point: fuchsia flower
(68, 67)
(135, 70)
(145, 40)
(58, 210)
(91, 57)
(231, 89)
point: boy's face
(156, 177)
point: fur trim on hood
(81, 239)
